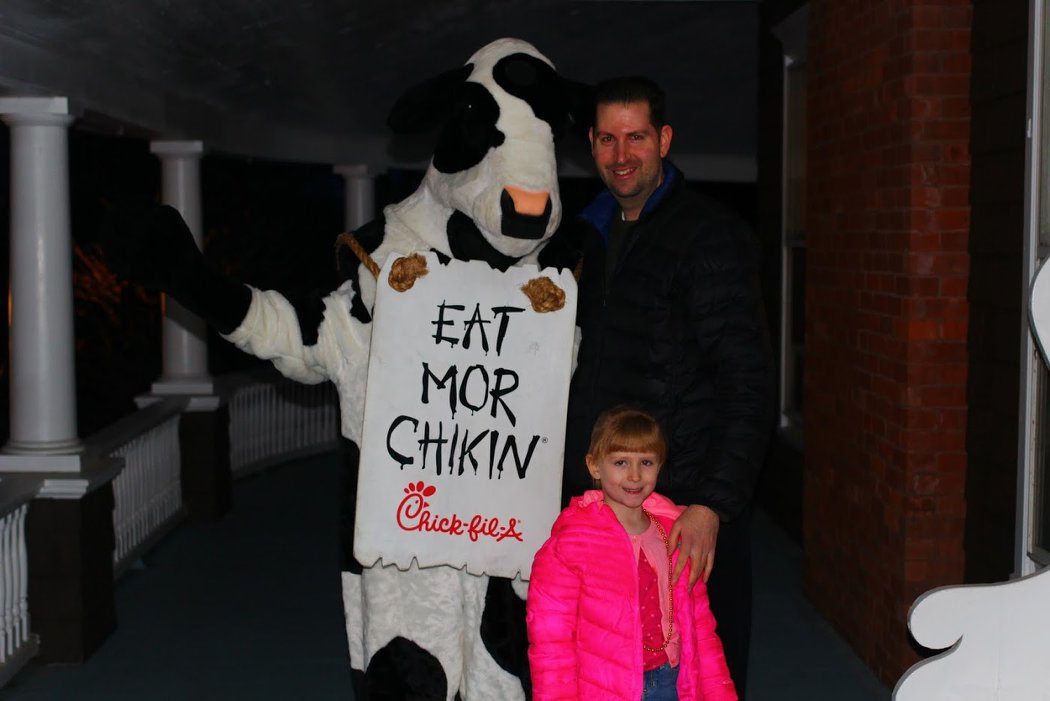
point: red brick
(954, 286)
(923, 419)
(928, 62)
(924, 241)
(955, 240)
(954, 462)
(956, 63)
(945, 129)
(926, 484)
(918, 329)
(954, 373)
(951, 263)
(954, 330)
(936, 396)
(951, 219)
(955, 107)
(920, 263)
(927, 196)
(928, 17)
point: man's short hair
(632, 88)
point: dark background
(270, 224)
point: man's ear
(665, 140)
(579, 98)
(590, 135)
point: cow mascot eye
(469, 132)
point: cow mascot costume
(489, 194)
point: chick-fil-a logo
(413, 514)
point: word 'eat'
(476, 321)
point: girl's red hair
(626, 429)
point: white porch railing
(147, 493)
(273, 419)
(17, 643)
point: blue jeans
(660, 684)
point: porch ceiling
(313, 79)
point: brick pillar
(886, 360)
(69, 544)
(204, 442)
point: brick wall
(886, 358)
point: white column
(43, 383)
(185, 363)
(360, 195)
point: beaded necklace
(670, 588)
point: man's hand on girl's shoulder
(695, 534)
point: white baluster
(8, 584)
(12, 560)
(22, 578)
(10, 550)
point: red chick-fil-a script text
(414, 514)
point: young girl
(603, 620)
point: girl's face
(627, 478)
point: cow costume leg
(433, 649)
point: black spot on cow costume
(489, 194)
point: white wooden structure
(996, 640)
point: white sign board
(464, 431)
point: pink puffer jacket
(585, 638)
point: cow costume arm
(271, 330)
(152, 246)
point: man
(670, 321)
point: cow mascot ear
(579, 104)
(428, 104)
(556, 100)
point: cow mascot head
(491, 190)
(490, 194)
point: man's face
(627, 150)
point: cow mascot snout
(489, 194)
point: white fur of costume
(437, 608)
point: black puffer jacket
(678, 332)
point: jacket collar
(600, 212)
(655, 504)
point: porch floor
(250, 607)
